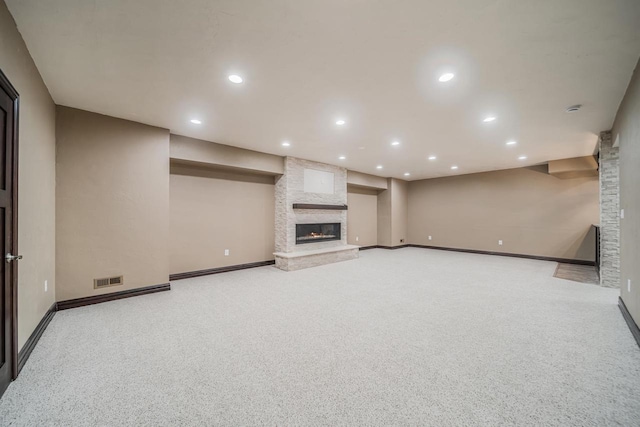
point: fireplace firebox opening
(312, 233)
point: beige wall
(362, 216)
(533, 213)
(384, 217)
(214, 210)
(392, 213)
(112, 203)
(36, 179)
(360, 179)
(627, 129)
(575, 167)
(399, 213)
(209, 153)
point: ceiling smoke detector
(573, 108)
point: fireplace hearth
(313, 233)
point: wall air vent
(107, 282)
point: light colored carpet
(577, 273)
(403, 337)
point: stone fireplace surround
(290, 190)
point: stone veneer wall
(609, 212)
(290, 190)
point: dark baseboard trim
(633, 326)
(25, 352)
(474, 251)
(392, 247)
(198, 273)
(364, 248)
(540, 258)
(96, 299)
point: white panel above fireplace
(316, 181)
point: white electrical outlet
(500, 242)
(622, 213)
(46, 285)
(429, 237)
(357, 238)
(226, 252)
(628, 285)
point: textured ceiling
(374, 63)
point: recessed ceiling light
(342, 157)
(407, 174)
(522, 158)
(446, 77)
(432, 157)
(511, 143)
(234, 78)
(489, 119)
(379, 167)
(573, 108)
(454, 167)
(286, 144)
(196, 121)
(340, 122)
(395, 143)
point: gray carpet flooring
(403, 337)
(578, 273)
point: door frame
(6, 85)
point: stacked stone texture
(609, 212)
(290, 190)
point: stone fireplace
(311, 215)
